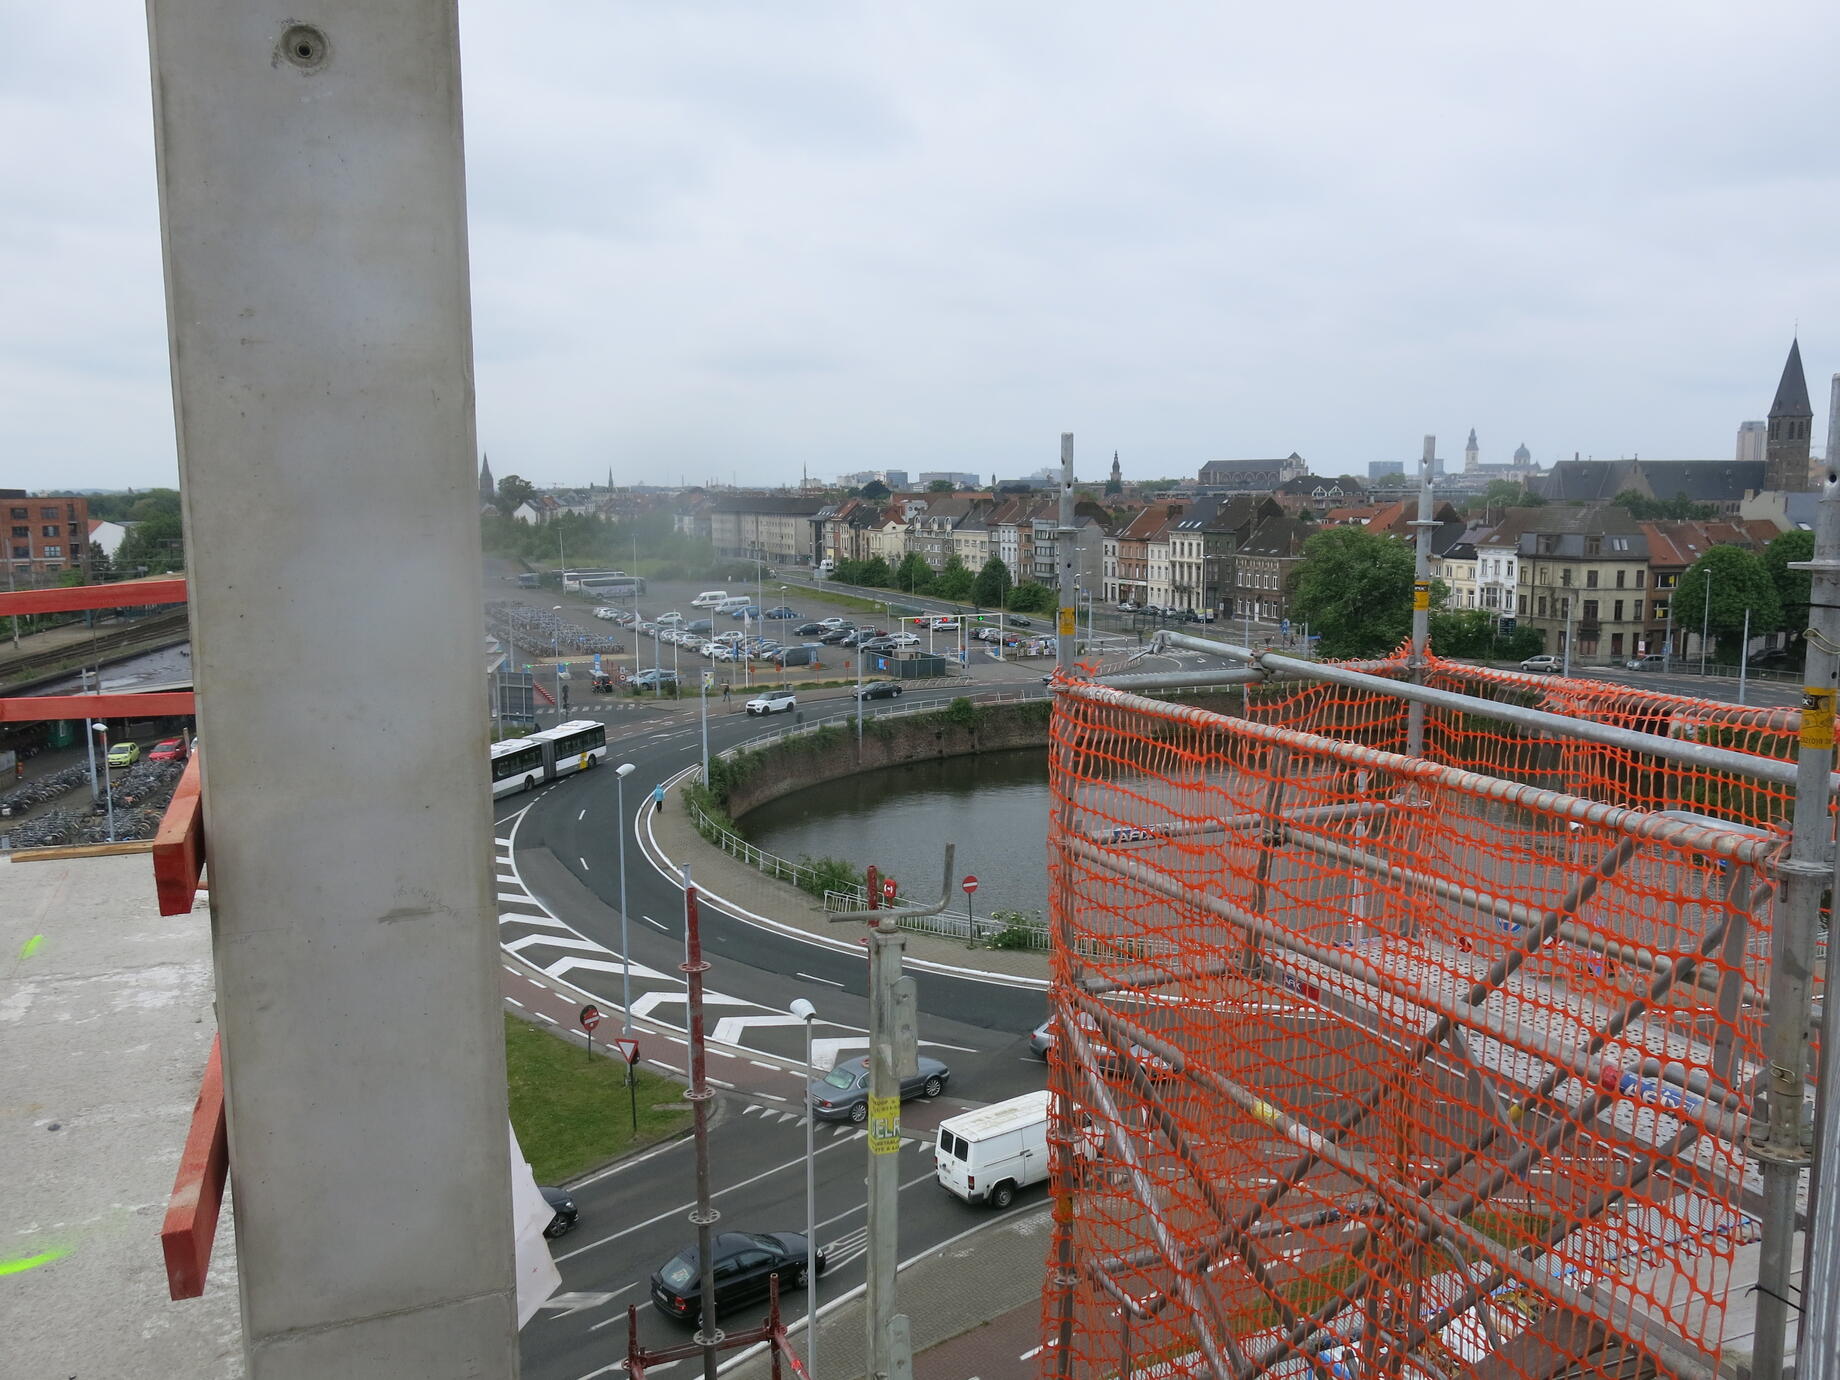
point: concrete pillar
(313, 208)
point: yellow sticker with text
(884, 1125)
(1817, 717)
(1067, 624)
(1421, 594)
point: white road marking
(600, 965)
(813, 977)
(757, 1064)
(520, 1006)
(540, 1016)
(583, 815)
(720, 1083)
(1033, 1351)
(585, 868)
(507, 917)
(648, 920)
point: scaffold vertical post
(704, 1216)
(1421, 595)
(1818, 1348)
(1806, 871)
(1069, 603)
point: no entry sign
(888, 888)
(969, 884)
(590, 1017)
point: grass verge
(571, 1110)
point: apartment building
(45, 535)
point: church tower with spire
(1115, 485)
(1471, 456)
(1785, 449)
(488, 487)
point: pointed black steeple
(488, 489)
(1786, 444)
(1792, 392)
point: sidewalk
(991, 1275)
(747, 889)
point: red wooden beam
(123, 594)
(178, 846)
(158, 705)
(198, 1189)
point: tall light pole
(806, 1012)
(108, 787)
(1705, 621)
(1567, 669)
(89, 739)
(620, 773)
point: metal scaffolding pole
(1065, 624)
(1421, 595)
(1819, 1341)
(703, 1215)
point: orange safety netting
(1376, 1065)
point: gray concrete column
(313, 207)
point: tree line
(990, 588)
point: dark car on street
(564, 1207)
(843, 1093)
(879, 690)
(834, 636)
(781, 612)
(745, 1265)
(810, 629)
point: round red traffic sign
(969, 884)
(888, 888)
(590, 1017)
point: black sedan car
(745, 1264)
(879, 690)
(843, 1093)
(564, 1207)
(811, 629)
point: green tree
(1114, 486)
(1506, 493)
(991, 587)
(1354, 588)
(1676, 509)
(1792, 586)
(875, 490)
(875, 572)
(913, 575)
(155, 542)
(1737, 582)
(954, 582)
(940, 486)
(1031, 597)
(514, 489)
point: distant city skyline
(757, 244)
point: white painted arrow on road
(651, 1000)
(602, 965)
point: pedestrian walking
(727, 690)
(658, 798)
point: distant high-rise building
(1751, 438)
(895, 479)
(1379, 469)
(1471, 455)
(1791, 422)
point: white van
(728, 605)
(986, 1155)
(709, 598)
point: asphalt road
(558, 867)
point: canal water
(993, 805)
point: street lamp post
(620, 773)
(108, 787)
(806, 1012)
(1705, 621)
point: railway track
(142, 635)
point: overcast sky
(727, 240)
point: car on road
(835, 623)
(879, 690)
(879, 644)
(781, 612)
(751, 612)
(944, 624)
(809, 629)
(857, 636)
(1126, 606)
(650, 679)
(564, 1207)
(1774, 658)
(1017, 620)
(773, 702)
(124, 754)
(1043, 1038)
(666, 620)
(843, 1093)
(168, 750)
(1546, 661)
(1652, 662)
(833, 637)
(744, 1267)
(904, 639)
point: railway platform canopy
(1455, 1024)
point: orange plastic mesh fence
(1371, 1065)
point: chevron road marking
(601, 965)
(646, 1004)
(507, 917)
(729, 1029)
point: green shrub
(961, 713)
(820, 875)
(1020, 930)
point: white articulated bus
(520, 763)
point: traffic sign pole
(969, 885)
